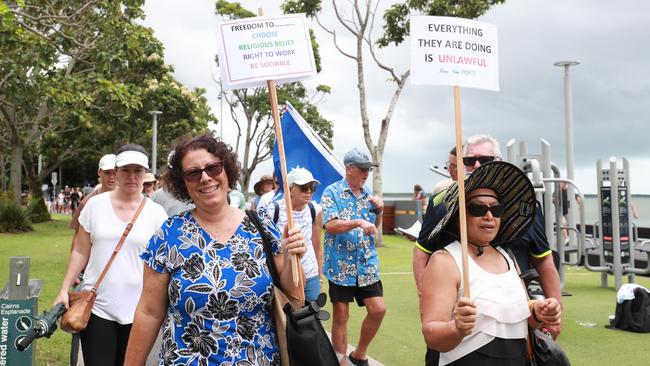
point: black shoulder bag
(301, 336)
(634, 315)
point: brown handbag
(75, 319)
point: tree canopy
(78, 78)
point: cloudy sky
(611, 86)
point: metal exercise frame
(544, 176)
(613, 178)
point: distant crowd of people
(66, 201)
(193, 271)
(70, 199)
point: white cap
(107, 162)
(301, 176)
(132, 157)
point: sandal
(357, 362)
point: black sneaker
(356, 361)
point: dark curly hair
(175, 183)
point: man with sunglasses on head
(351, 216)
(532, 249)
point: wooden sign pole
(461, 191)
(273, 101)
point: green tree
(41, 44)
(249, 108)
(85, 79)
(358, 19)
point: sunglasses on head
(194, 175)
(471, 160)
(479, 210)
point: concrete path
(371, 360)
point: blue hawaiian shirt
(219, 294)
(350, 258)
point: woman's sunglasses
(304, 188)
(471, 160)
(194, 175)
(478, 210)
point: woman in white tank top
(102, 223)
(489, 327)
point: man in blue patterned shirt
(351, 216)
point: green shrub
(37, 211)
(6, 196)
(13, 218)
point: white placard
(254, 50)
(454, 51)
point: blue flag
(305, 149)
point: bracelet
(531, 306)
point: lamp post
(154, 140)
(568, 124)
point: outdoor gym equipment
(545, 177)
(614, 241)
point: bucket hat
(257, 186)
(149, 177)
(514, 191)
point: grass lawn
(399, 341)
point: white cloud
(610, 86)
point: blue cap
(358, 158)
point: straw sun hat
(258, 186)
(513, 189)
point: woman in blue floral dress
(205, 273)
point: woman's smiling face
(208, 191)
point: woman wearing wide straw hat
(490, 327)
(103, 221)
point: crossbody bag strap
(126, 232)
(252, 215)
(529, 342)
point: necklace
(479, 248)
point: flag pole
(461, 191)
(273, 101)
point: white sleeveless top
(501, 305)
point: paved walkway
(371, 360)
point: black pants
(104, 342)
(499, 352)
